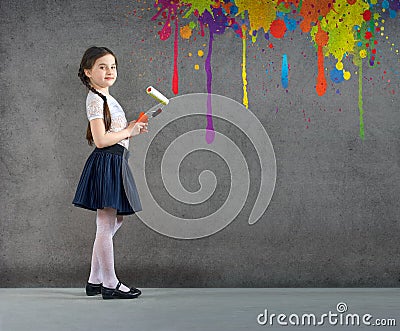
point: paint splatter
(186, 32)
(336, 76)
(360, 100)
(338, 28)
(261, 13)
(169, 9)
(285, 72)
(244, 72)
(199, 7)
(216, 23)
(175, 78)
(278, 28)
(321, 38)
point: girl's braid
(106, 109)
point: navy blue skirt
(103, 185)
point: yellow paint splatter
(190, 54)
(200, 53)
(261, 13)
(196, 67)
(363, 53)
(346, 75)
(244, 73)
(339, 65)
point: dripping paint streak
(244, 73)
(285, 72)
(321, 80)
(175, 78)
(360, 99)
(210, 134)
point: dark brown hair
(88, 60)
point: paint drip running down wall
(338, 29)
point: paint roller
(144, 117)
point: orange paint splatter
(186, 32)
(311, 10)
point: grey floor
(59, 309)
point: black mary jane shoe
(135, 291)
(116, 293)
(93, 289)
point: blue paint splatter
(385, 4)
(336, 76)
(285, 72)
(290, 23)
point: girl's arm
(103, 139)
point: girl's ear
(87, 72)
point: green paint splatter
(200, 5)
(360, 99)
(283, 9)
(300, 5)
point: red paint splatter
(278, 28)
(175, 77)
(368, 35)
(367, 15)
(321, 38)
(172, 7)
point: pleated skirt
(107, 182)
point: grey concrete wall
(334, 216)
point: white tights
(102, 266)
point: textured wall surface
(334, 216)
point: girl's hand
(134, 128)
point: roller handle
(143, 118)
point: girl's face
(103, 73)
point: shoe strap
(118, 285)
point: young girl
(101, 186)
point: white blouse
(94, 109)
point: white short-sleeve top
(94, 109)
